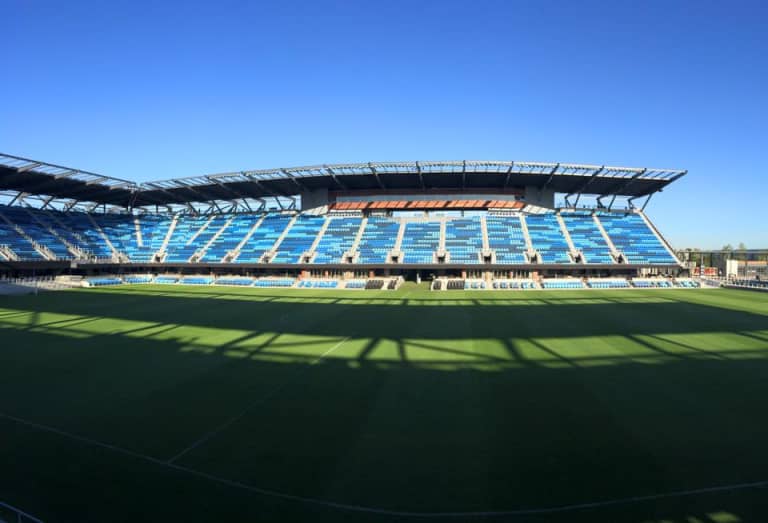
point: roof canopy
(27, 176)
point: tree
(727, 247)
(742, 247)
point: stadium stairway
(547, 239)
(161, 253)
(337, 240)
(202, 229)
(180, 247)
(353, 253)
(263, 238)
(484, 232)
(74, 251)
(23, 245)
(638, 243)
(297, 241)
(234, 253)
(530, 252)
(505, 239)
(200, 253)
(399, 238)
(7, 254)
(83, 243)
(378, 239)
(153, 230)
(574, 252)
(311, 253)
(121, 233)
(615, 253)
(587, 238)
(116, 255)
(659, 236)
(421, 241)
(202, 237)
(28, 226)
(137, 226)
(229, 238)
(441, 243)
(81, 227)
(464, 241)
(269, 254)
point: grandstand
(412, 219)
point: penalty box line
(382, 511)
(237, 417)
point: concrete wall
(540, 197)
(314, 199)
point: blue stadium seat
(318, 284)
(154, 229)
(464, 240)
(420, 242)
(547, 238)
(505, 237)
(275, 282)
(138, 279)
(166, 279)
(587, 238)
(18, 243)
(188, 236)
(119, 230)
(197, 280)
(299, 239)
(263, 239)
(81, 225)
(64, 234)
(337, 240)
(607, 283)
(33, 229)
(234, 280)
(103, 281)
(378, 240)
(229, 238)
(630, 234)
(562, 284)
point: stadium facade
(492, 218)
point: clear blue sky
(146, 90)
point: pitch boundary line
(382, 511)
(234, 419)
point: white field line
(249, 407)
(382, 511)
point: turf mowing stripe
(248, 408)
(381, 511)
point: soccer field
(181, 403)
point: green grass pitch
(180, 403)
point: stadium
(473, 224)
(369, 342)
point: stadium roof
(25, 177)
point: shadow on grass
(566, 317)
(437, 425)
